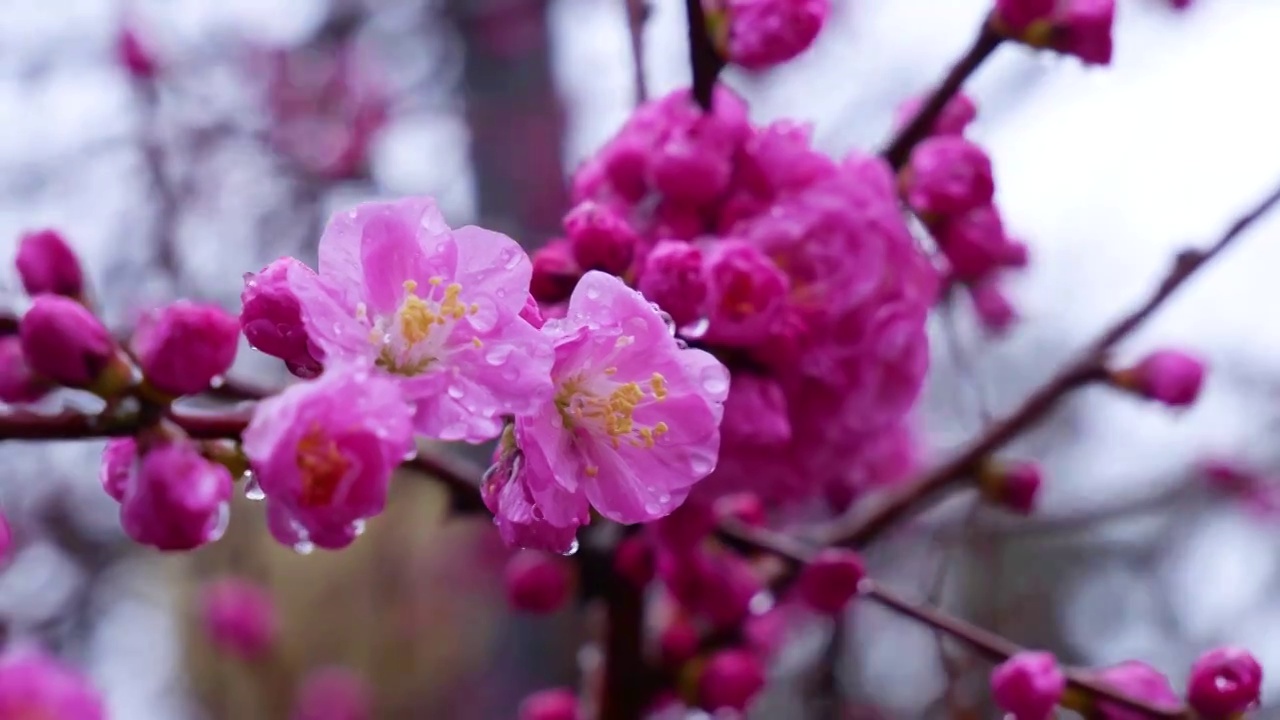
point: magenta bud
(239, 617)
(731, 680)
(553, 704)
(634, 561)
(271, 317)
(948, 175)
(1019, 15)
(177, 500)
(333, 693)
(600, 238)
(6, 539)
(830, 580)
(993, 308)
(678, 642)
(672, 278)
(1084, 28)
(555, 273)
(18, 384)
(1224, 683)
(745, 507)
(182, 347)
(135, 57)
(1171, 377)
(1028, 685)
(64, 342)
(47, 264)
(1013, 486)
(1139, 681)
(537, 582)
(117, 466)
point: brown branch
(909, 135)
(637, 14)
(1088, 366)
(704, 60)
(626, 691)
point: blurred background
(181, 143)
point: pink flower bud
(1083, 29)
(634, 562)
(672, 278)
(1139, 681)
(1013, 486)
(177, 500)
(271, 317)
(745, 507)
(973, 242)
(693, 165)
(35, 685)
(1028, 685)
(1180, 4)
(66, 343)
(333, 693)
(1171, 377)
(600, 238)
(17, 383)
(1224, 683)
(6, 538)
(731, 679)
(555, 273)
(537, 582)
(239, 617)
(747, 293)
(47, 264)
(993, 308)
(678, 642)
(117, 466)
(182, 347)
(830, 580)
(1018, 15)
(956, 115)
(554, 704)
(764, 33)
(948, 175)
(134, 56)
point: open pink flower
(634, 422)
(35, 685)
(436, 308)
(324, 451)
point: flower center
(413, 338)
(323, 466)
(605, 408)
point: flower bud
(17, 383)
(555, 273)
(117, 466)
(600, 238)
(1083, 29)
(1015, 17)
(747, 293)
(177, 500)
(66, 343)
(48, 265)
(948, 175)
(537, 582)
(239, 617)
(672, 278)
(973, 242)
(1139, 681)
(271, 318)
(956, 115)
(36, 685)
(6, 539)
(1028, 685)
(1171, 377)
(182, 347)
(135, 57)
(678, 642)
(731, 680)
(830, 580)
(1224, 683)
(634, 562)
(993, 308)
(764, 33)
(554, 704)
(745, 507)
(1013, 486)
(333, 693)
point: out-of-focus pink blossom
(173, 498)
(974, 243)
(553, 704)
(136, 58)
(239, 617)
(435, 308)
(634, 562)
(948, 175)
(764, 33)
(555, 272)
(959, 112)
(992, 306)
(36, 685)
(743, 507)
(1019, 15)
(830, 580)
(18, 384)
(271, 317)
(1028, 685)
(324, 451)
(1140, 681)
(183, 346)
(1083, 28)
(1225, 682)
(600, 238)
(678, 641)
(672, 277)
(333, 693)
(537, 582)
(47, 264)
(731, 680)
(6, 539)
(746, 291)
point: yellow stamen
(322, 466)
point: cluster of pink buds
(1074, 27)
(759, 34)
(36, 685)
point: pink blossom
(6, 538)
(437, 309)
(830, 580)
(333, 693)
(324, 451)
(634, 421)
(18, 384)
(239, 617)
(756, 410)
(183, 346)
(959, 112)
(1225, 682)
(776, 159)
(974, 243)
(1018, 15)
(948, 175)
(537, 582)
(117, 465)
(600, 238)
(716, 586)
(1140, 681)
(135, 56)
(173, 498)
(1083, 28)
(36, 685)
(743, 507)
(548, 520)
(1172, 377)
(994, 310)
(1028, 685)
(63, 341)
(271, 317)
(672, 278)
(731, 680)
(764, 33)
(554, 704)
(47, 264)
(747, 293)
(678, 642)
(555, 272)
(633, 561)
(1014, 486)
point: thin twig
(1087, 367)
(637, 14)
(704, 60)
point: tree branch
(704, 59)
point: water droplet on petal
(411, 455)
(455, 392)
(651, 508)
(217, 381)
(593, 293)
(760, 603)
(715, 379)
(304, 547)
(702, 464)
(221, 523)
(696, 329)
(357, 527)
(497, 354)
(501, 292)
(572, 550)
(252, 490)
